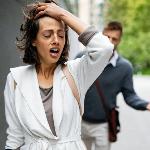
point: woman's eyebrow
(51, 30)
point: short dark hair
(28, 33)
(114, 25)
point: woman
(41, 111)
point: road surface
(135, 125)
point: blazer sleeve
(86, 69)
(14, 130)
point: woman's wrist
(87, 35)
(73, 22)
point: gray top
(47, 97)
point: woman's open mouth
(54, 52)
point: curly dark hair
(28, 33)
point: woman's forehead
(49, 22)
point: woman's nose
(55, 39)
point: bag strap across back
(72, 85)
(101, 95)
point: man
(117, 77)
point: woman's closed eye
(47, 35)
(61, 34)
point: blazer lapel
(57, 98)
(27, 82)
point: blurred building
(92, 11)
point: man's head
(113, 31)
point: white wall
(10, 19)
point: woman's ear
(33, 44)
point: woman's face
(50, 40)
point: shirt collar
(113, 60)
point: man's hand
(148, 107)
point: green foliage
(135, 17)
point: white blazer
(25, 114)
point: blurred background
(135, 46)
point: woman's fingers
(41, 8)
(50, 9)
(40, 14)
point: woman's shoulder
(21, 71)
(21, 68)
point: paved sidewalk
(135, 125)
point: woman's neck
(45, 75)
(46, 70)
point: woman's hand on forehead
(50, 9)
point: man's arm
(129, 94)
